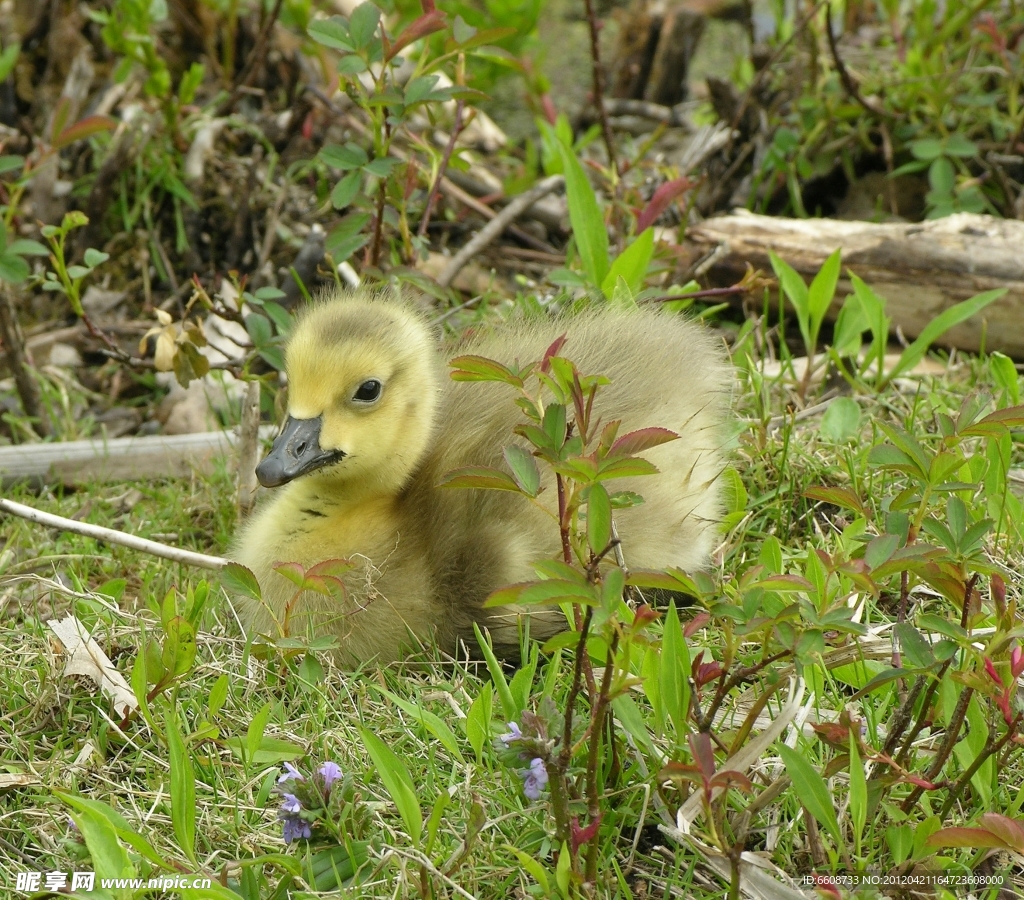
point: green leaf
(939, 326)
(821, 292)
(927, 149)
(332, 32)
(8, 58)
(351, 156)
(497, 672)
(362, 25)
(26, 247)
(478, 720)
(480, 368)
(183, 790)
(254, 733)
(13, 268)
(381, 166)
(345, 190)
(674, 674)
(1004, 374)
(431, 722)
(599, 518)
(398, 782)
(795, 290)
(858, 791)
(179, 651)
(11, 163)
(585, 216)
(841, 421)
(631, 264)
(481, 477)
(810, 787)
(109, 858)
(218, 695)
(240, 580)
(524, 469)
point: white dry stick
(497, 225)
(248, 450)
(154, 548)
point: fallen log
(118, 459)
(921, 268)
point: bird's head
(363, 385)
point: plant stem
(991, 747)
(441, 169)
(952, 733)
(602, 113)
(593, 758)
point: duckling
(374, 424)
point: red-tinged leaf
(506, 595)
(707, 672)
(293, 572)
(639, 441)
(556, 345)
(331, 568)
(555, 591)
(784, 583)
(580, 836)
(995, 423)
(651, 578)
(644, 616)
(1010, 830)
(703, 755)
(844, 498)
(83, 128)
(992, 673)
(60, 118)
(972, 838)
(663, 196)
(480, 368)
(732, 778)
(481, 477)
(626, 467)
(696, 624)
(432, 20)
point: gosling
(374, 424)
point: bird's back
(664, 371)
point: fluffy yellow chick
(373, 425)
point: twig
(617, 106)
(14, 342)
(259, 52)
(595, 58)
(497, 225)
(769, 66)
(248, 450)
(98, 532)
(436, 186)
(851, 86)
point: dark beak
(296, 452)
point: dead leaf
(86, 657)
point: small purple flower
(293, 828)
(291, 804)
(534, 778)
(330, 772)
(514, 734)
(290, 772)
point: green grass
(58, 733)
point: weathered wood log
(921, 268)
(118, 459)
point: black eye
(368, 391)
